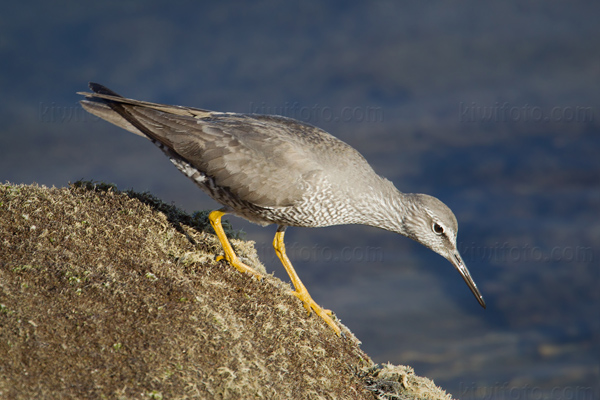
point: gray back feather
(266, 160)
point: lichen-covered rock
(108, 294)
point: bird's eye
(437, 228)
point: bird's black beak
(459, 264)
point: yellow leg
(215, 220)
(300, 291)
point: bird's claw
(240, 266)
(310, 304)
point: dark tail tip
(100, 89)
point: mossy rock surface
(109, 294)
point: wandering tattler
(276, 170)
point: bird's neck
(388, 208)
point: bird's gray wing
(254, 158)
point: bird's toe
(310, 304)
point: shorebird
(276, 170)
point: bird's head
(431, 223)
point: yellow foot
(215, 220)
(240, 266)
(325, 314)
